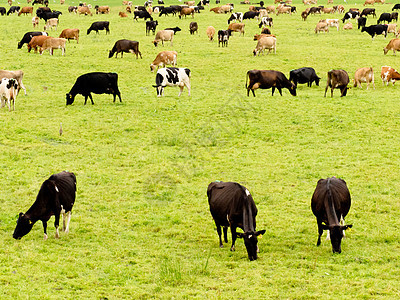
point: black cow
(174, 29)
(193, 27)
(151, 26)
(231, 205)
(13, 9)
(376, 30)
(330, 204)
(387, 17)
(56, 195)
(37, 2)
(238, 16)
(168, 10)
(122, 46)
(395, 16)
(99, 25)
(337, 79)
(368, 11)
(223, 37)
(142, 15)
(266, 79)
(2, 11)
(160, 1)
(314, 10)
(46, 15)
(28, 36)
(250, 14)
(95, 82)
(351, 14)
(304, 75)
(362, 21)
(396, 6)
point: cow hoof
(45, 237)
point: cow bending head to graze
(330, 204)
(337, 79)
(266, 79)
(231, 205)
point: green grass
(141, 226)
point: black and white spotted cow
(351, 14)
(8, 92)
(172, 76)
(238, 16)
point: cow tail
(247, 76)
(329, 191)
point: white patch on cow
(57, 236)
(247, 192)
(56, 189)
(62, 209)
(250, 236)
(328, 235)
(68, 217)
(45, 237)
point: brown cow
(70, 34)
(102, 9)
(237, 27)
(322, 26)
(389, 74)
(186, 11)
(266, 79)
(193, 27)
(84, 10)
(394, 45)
(122, 46)
(37, 41)
(348, 26)
(26, 10)
(53, 43)
(163, 35)
(164, 58)
(330, 203)
(266, 42)
(210, 32)
(337, 79)
(122, 14)
(364, 75)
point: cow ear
(260, 232)
(325, 227)
(239, 235)
(30, 222)
(345, 227)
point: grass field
(141, 226)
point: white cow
(8, 92)
(172, 76)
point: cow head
(385, 50)
(155, 43)
(110, 54)
(70, 99)
(250, 241)
(336, 235)
(24, 226)
(292, 89)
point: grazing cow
(265, 30)
(51, 23)
(72, 9)
(315, 10)
(236, 17)
(142, 15)
(351, 14)
(332, 23)
(362, 21)
(348, 26)
(304, 15)
(84, 10)
(49, 15)
(123, 15)
(174, 29)
(304, 75)
(70, 34)
(330, 204)
(8, 92)
(167, 10)
(368, 11)
(99, 25)
(387, 17)
(53, 43)
(163, 35)
(284, 10)
(266, 21)
(13, 9)
(322, 26)
(389, 74)
(186, 11)
(2, 11)
(237, 27)
(18, 75)
(231, 205)
(26, 10)
(122, 46)
(102, 9)
(35, 22)
(337, 79)
(223, 37)
(193, 27)
(151, 26)
(164, 58)
(394, 45)
(95, 82)
(364, 75)
(267, 42)
(250, 15)
(369, 2)
(392, 28)
(172, 76)
(56, 196)
(28, 36)
(266, 79)
(373, 30)
(210, 31)
(328, 10)
(37, 41)
(396, 6)
(394, 16)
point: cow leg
(187, 84)
(225, 234)
(180, 90)
(86, 96)
(233, 232)
(45, 229)
(280, 90)
(332, 92)
(344, 91)
(320, 232)
(220, 234)
(273, 90)
(57, 224)
(91, 99)
(68, 217)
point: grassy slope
(141, 226)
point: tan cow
(322, 26)
(18, 75)
(392, 28)
(369, 2)
(37, 41)
(217, 10)
(84, 10)
(51, 23)
(259, 36)
(26, 10)
(394, 45)
(389, 74)
(190, 3)
(348, 26)
(53, 43)
(284, 10)
(270, 9)
(328, 10)
(164, 58)
(210, 32)
(163, 35)
(364, 75)
(70, 34)
(122, 14)
(267, 42)
(331, 23)
(225, 9)
(35, 22)
(186, 11)
(102, 9)
(237, 27)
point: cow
(122, 46)
(163, 35)
(266, 42)
(123, 15)
(223, 37)
(95, 82)
(330, 204)
(373, 30)
(37, 41)
(266, 79)
(364, 75)
(2, 10)
(18, 75)
(70, 34)
(321, 26)
(174, 29)
(389, 74)
(337, 79)
(56, 196)
(84, 10)
(172, 76)
(368, 11)
(186, 11)
(13, 9)
(250, 15)
(28, 36)
(396, 6)
(315, 10)
(51, 23)
(102, 9)
(266, 21)
(26, 10)
(141, 15)
(8, 92)
(99, 25)
(304, 75)
(369, 2)
(167, 10)
(328, 10)
(231, 205)
(238, 16)
(151, 26)
(304, 15)
(193, 27)
(348, 26)
(46, 15)
(164, 58)
(351, 14)
(237, 27)
(387, 17)
(392, 28)
(53, 43)
(394, 45)
(362, 21)
(210, 31)
(72, 9)
(35, 22)
(284, 10)
(332, 23)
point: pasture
(141, 226)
